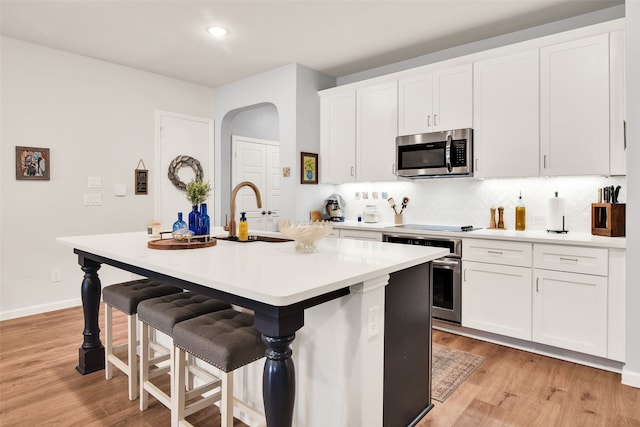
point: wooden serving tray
(173, 244)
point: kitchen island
(338, 293)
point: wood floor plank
(40, 386)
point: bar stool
(162, 314)
(225, 339)
(125, 297)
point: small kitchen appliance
(370, 214)
(333, 206)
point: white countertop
(273, 273)
(537, 236)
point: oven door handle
(445, 263)
(447, 152)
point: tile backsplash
(467, 201)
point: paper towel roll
(556, 214)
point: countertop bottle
(179, 224)
(243, 228)
(520, 214)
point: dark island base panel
(407, 347)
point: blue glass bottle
(194, 219)
(204, 220)
(179, 224)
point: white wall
(291, 89)
(98, 120)
(631, 371)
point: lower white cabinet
(497, 298)
(375, 236)
(570, 311)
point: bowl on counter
(305, 233)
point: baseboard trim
(38, 309)
(630, 378)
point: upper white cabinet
(376, 131)
(338, 136)
(358, 129)
(617, 110)
(506, 115)
(436, 101)
(574, 107)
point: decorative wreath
(179, 162)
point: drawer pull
(569, 260)
(495, 252)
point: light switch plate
(92, 199)
(120, 190)
(94, 182)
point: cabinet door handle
(464, 275)
(537, 281)
(544, 161)
(429, 121)
(352, 170)
(393, 168)
(476, 167)
(435, 120)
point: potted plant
(197, 193)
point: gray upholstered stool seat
(225, 339)
(125, 297)
(162, 314)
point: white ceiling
(337, 37)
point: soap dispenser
(243, 228)
(520, 214)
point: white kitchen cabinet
(376, 131)
(574, 107)
(506, 115)
(569, 307)
(374, 236)
(496, 287)
(570, 311)
(617, 110)
(497, 298)
(338, 137)
(436, 101)
(358, 129)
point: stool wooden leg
(131, 357)
(108, 341)
(178, 390)
(226, 403)
(144, 364)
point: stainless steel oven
(447, 274)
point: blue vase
(194, 219)
(204, 225)
(179, 224)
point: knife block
(608, 219)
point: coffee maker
(333, 208)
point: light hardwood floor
(40, 386)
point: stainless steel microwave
(435, 154)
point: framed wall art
(308, 168)
(33, 163)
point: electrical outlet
(56, 276)
(373, 329)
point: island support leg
(91, 353)
(278, 381)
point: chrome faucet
(232, 224)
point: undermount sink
(255, 238)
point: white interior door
(179, 134)
(257, 161)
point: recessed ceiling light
(217, 31)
